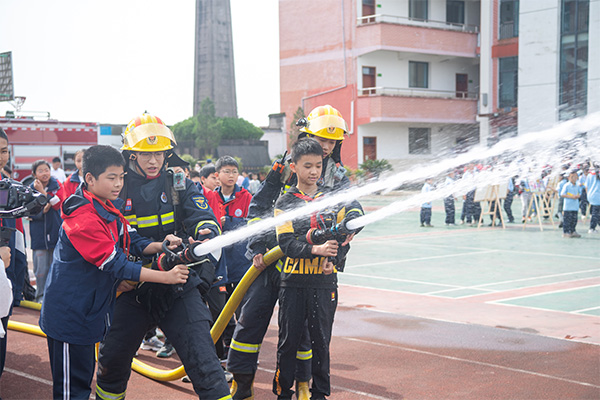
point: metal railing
(417, 92)
(427, 23)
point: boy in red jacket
(91, 260)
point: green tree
(239, 128)
(208, 129)
(294, 130)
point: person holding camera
(155, 206)
(13, 257)
(45, 225)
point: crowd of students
(576, 190)
(118, 211)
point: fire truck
(31, 140)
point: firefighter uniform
(261, 297)
(156, 209)
(307, 296)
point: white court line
(422, 258)
(453, 287)
(28, 376)
(542, 294)
(473, 362)
(484, 248)
(487, 291)
(544, 276)
(586, 309)
(364, 394)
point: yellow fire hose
(218, 327)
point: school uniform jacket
(71, 184)
(301, 268)
(87, 268)
(44, 227)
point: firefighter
(156, 204)
(327, 126)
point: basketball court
(427, 313)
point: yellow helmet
(147, 133)
(326, 122)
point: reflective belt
(304, 355)
(145, 222)
(132, 219)
(104, 395)
(244, 347)
(167, 218)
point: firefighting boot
(241, 387)
(302, 391)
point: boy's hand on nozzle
(327, 249)
(327, 266)
(5, 255)
(178, 274)
(174, 241)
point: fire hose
(217, 329)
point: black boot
(241, 387)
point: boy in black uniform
(327, 126)
(155, 206)
(308, 278)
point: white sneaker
(592, 231)
(152, 344)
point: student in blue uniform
(592, 186)
(90, 260)
(426, 207)
(571, 192)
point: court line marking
(485, 248)
(530, 287)
(542, 294)
(422, 258)
(372, 396)
(403, 280)
(586, 309)
(546, 276)
(471, 361)
(28, 376)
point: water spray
(540, 144)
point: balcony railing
(427, 23)
(416, 92)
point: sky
(108, 61)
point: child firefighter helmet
(326, 122)
(147, 133)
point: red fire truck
(31, 140)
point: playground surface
(454, 312)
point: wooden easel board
(492, 197)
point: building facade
(420, 79)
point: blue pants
(72, 368)
(426, 215)
(450, 209)
(595, 213)
(570, 221)
(257, 309)
(42, 259)
(508, 206)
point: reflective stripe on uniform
(104, 395)
(228, 397)
(145, 222)
(199, 226)
(279, 265)
(253, 220)
(132, 219)
(244, 347)
(167, 218)
(304, 355)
